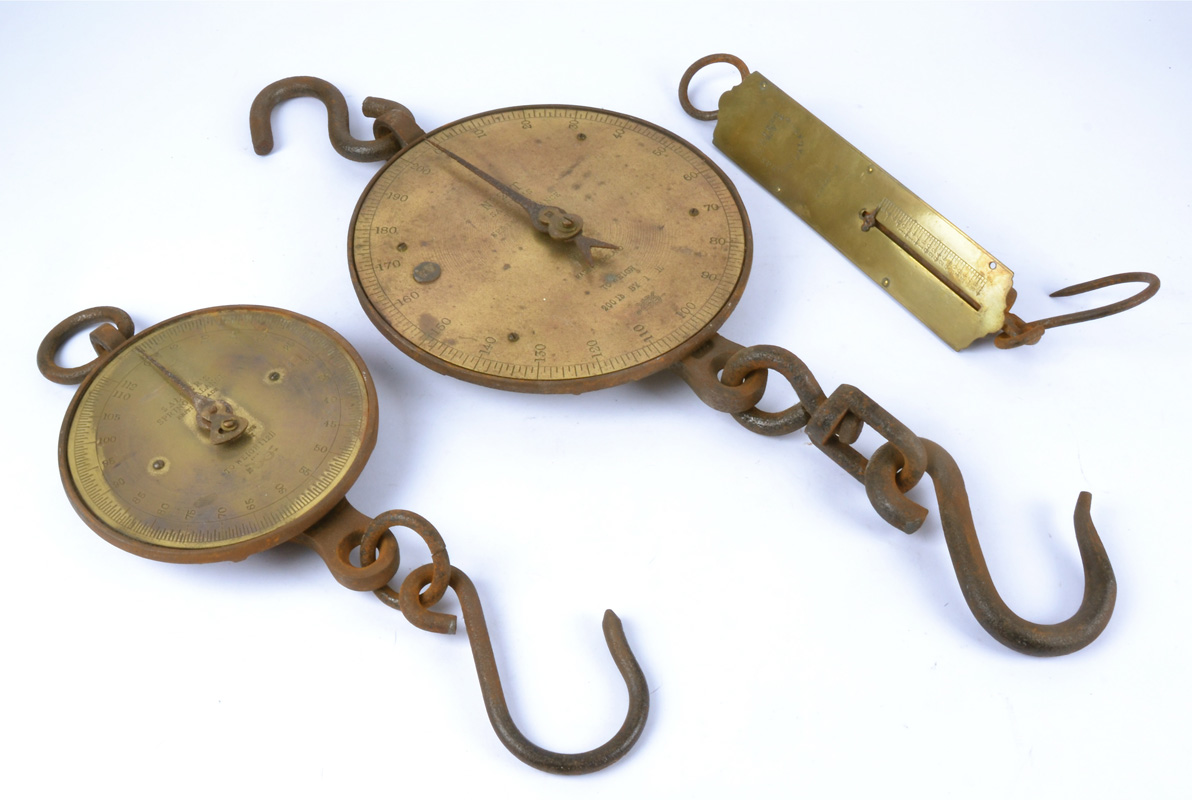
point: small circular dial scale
(549, 249)
(226, 431)
(218, 434)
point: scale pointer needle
(551, 220)
(214, 415)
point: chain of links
(833, 423)
(439, 568)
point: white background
(795, 645)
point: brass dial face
(218, 434)
(549, 249)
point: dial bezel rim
(239, 550)
(577, 385)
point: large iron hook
(490, 682)
(393, 124)
(956, 518)
(1017, 333)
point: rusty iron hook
(956, 518)
(1017, 333)
(411, 605)
(393, 122)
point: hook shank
(494, 695)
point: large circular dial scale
(549, 249)
(218, 434)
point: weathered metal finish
(218, 360)
(490, 681)
(834, 422)
(954, 286)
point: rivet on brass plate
(427, 272)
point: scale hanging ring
(717, 58)
(67, 328)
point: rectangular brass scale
(952, 284)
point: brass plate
(143, 474)
(952, 284)
(452, 271)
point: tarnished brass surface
(146, 473)
(952, 284)
(549, 249)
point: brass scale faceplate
(143, 472)
(455, 275)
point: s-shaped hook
(393, 124)
(411, 604)
(956, 518)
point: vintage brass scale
(223, 432)
(957, 288)
(548, 249)
(558, 249)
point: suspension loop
(376, 568)
(701, 371)
(438, 551)
(115, 327)
(685, 82)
